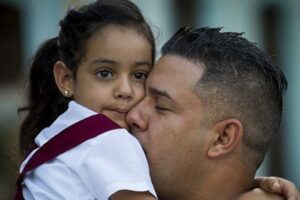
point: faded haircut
(240, 81)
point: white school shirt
(95, 169)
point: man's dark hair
(239, 81)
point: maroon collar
(67, 139)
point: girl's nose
(124, 89)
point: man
(213, 106)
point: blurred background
(273, 24)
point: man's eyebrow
(157, 92)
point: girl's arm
(131, 195)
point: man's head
(239, 81)
(212, 99)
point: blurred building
(274, 24)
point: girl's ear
(63, 78)
(227, 137)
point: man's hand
(279, 186)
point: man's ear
(227, 136)
(63, 78)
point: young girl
(97, 64)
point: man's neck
(224, 183)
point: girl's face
(111, 76)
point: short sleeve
(115, 162)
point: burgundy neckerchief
(68, 138)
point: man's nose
(123, 89)
(137, 117)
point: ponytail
(45, 102)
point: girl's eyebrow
(139, 63)
(108, 61)
(103, 61)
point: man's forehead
(174, 73)
(176, 66)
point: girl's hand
(258, 194)
(277, 185)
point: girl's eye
(140, 75)
(104, 74)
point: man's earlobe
(227, 136)
(63, 78)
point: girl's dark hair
(45, 102)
